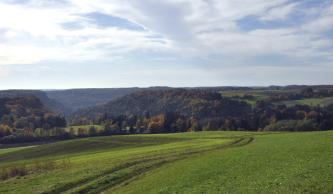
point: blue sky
(112, 43)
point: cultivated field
(202, 162)
(310, 102)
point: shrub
(13, 171)
(292, 125)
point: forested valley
(27, 116)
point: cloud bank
(239, 33)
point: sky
(58, 44)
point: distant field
(309, 101)
(202, 162)
(257, 94)
(264, 94)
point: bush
(13, 171)
(37, 166)
(292, 125)
(92, 131)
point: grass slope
(279, 163)
(206, 162)
(309, 101)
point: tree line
(25, 119)
(263, 117)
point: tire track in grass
(237, 143)
(122, 174)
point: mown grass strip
(237, 143)
(121, 173)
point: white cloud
(321, 24)
(34, 32)
(280, 12)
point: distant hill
(69, 101)
(21, 106)
(25, 119)
(50, 104)
(75, 99)
(186, 102)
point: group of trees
(266, 116)
(185, 102)
(25, 119)
(263, 117)
(47, 102)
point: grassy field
(309, 101)
(205, 162)
(257, 95)
(265, 94)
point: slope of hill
(204, 162)
(179, 110)
(82, 98)
(21, 106)
(51, 104)
(185, 102)
(20, 117)
(75, 99)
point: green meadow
(310, 102)
(200, 162)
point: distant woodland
(32, 115)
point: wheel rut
(128, 172)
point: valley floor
(201, 162)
